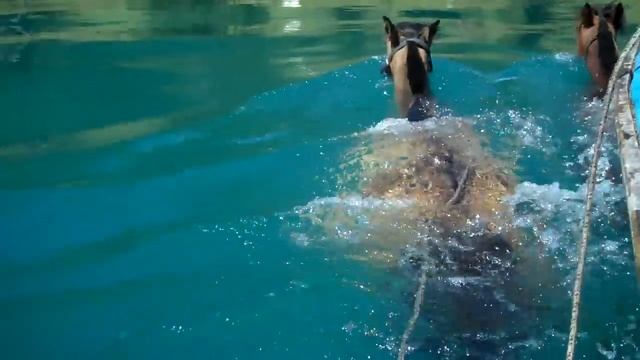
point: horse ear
(618, 16)
(389, 27)
(587, 15)
(391, 31)
(433, 30)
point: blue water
(160, 198)
(201, 262)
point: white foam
(609, 354)
(529, 130)
(548, 196)
(564, 57)
(463, 281)
(401, 126)
(398, 126)
(505, 79)
(350, 218)
(353, 203)
(555, 214)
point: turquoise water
(159, 166)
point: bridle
(595, 38)
(586, 50)
(386, 69)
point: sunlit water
(184, 181)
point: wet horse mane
(600, 24)
(409, 54)
(416, 71)
(607, 50)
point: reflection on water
(151, 153)
(219, 53)
(151, 59)
(281, 41)
(526, 25)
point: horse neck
(607, 48)
(417, 74)
(600, 52)
(403, 95)
(406, 78)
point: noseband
(386, 69)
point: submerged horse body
(596, 40)
(443, 167)
(455, 189)
(449, 188)
(433, 198)
(454, 223)
(462, 228)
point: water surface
(155, 158)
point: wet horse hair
(607, 50)
(416, 71)
(597, 30)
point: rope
(404, 345)
(586, 226)
(582, 252)
(419, 296)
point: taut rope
(586, 226)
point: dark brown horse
(596, 38)
(409, 62)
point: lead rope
(586, 226)
(419, 296)
(404, 346)
(582, 250)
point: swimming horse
(408, 63)
(464, 228)
(596, 37)
(431, 198)
(444, 167)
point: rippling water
(160, 164)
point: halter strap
(420, 43)
(586, 51)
